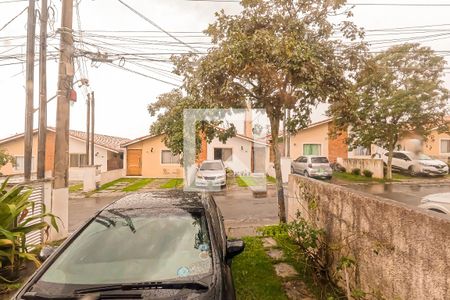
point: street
(409, 193)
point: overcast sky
(121, 96)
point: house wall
(151, 159)
(314, 135)
(241, 153)
(401, 252)
(16, 148)
(337, 147)
(79, 147)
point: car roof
(440, 198)
(159, 199)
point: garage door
(134, 162)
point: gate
(37, 196)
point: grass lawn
(246, 181)
(172, 183)
(75, 188)
(138, 184)
(114, 182)
(359, 178)
(253, 274)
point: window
(445, 146)
(78, 160)
(224, 154)
(167, 157)
(20, 163)
(311, 149)
(319, 160)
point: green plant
(15, 224)
(368, 173)
(356, 171)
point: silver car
(211, 174)
(312, 166)
(439, 203)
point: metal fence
(37, 196)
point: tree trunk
(275, 128)
(389, 163)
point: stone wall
(401, 252)
(374, 165)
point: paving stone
(284, 270)
(297, 290)
(269, 242)
(275, 254)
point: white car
(211, 174)
(437, 202)
(413, 164)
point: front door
(134, 162)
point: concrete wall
(374, 165)
(109, 176)
(401, 252)
(241, 153)
(151, 159)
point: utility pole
(92, 127)
(88, 125)
(65, 84)
(42, 135)
(29, 105)
(288, 139)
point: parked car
(157, 245)
(405, 161)
(312, 166)
(211, 173)
(437, 202)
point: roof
(112, 143)
(139, 139)
(107, 141)
(159, 199)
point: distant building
(108, 155)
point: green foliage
(137, 185)
(356, 171)
(15, 223)
(173, 183)
(368, 173)
(253, 274)
(5, 158)
(396, 92)
(75, 188)
(274, 55)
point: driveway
(241, 211)
(409, 193)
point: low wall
(374, 165)
(109, 176)
(401, 252)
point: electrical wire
(12, 20)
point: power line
(156, 25)
(10, 21)
(351, 4)
(12, 1)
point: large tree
(275, 55)
(398, 92)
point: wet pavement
(409, 193)
(242, 212)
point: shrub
(368, 173)
(356, 171)
(14, 225)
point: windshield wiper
(192, 285)
(37, 296)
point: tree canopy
(398, 92)
(276, 55)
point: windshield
(129, 246)
(211, 166)
(319, 160)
